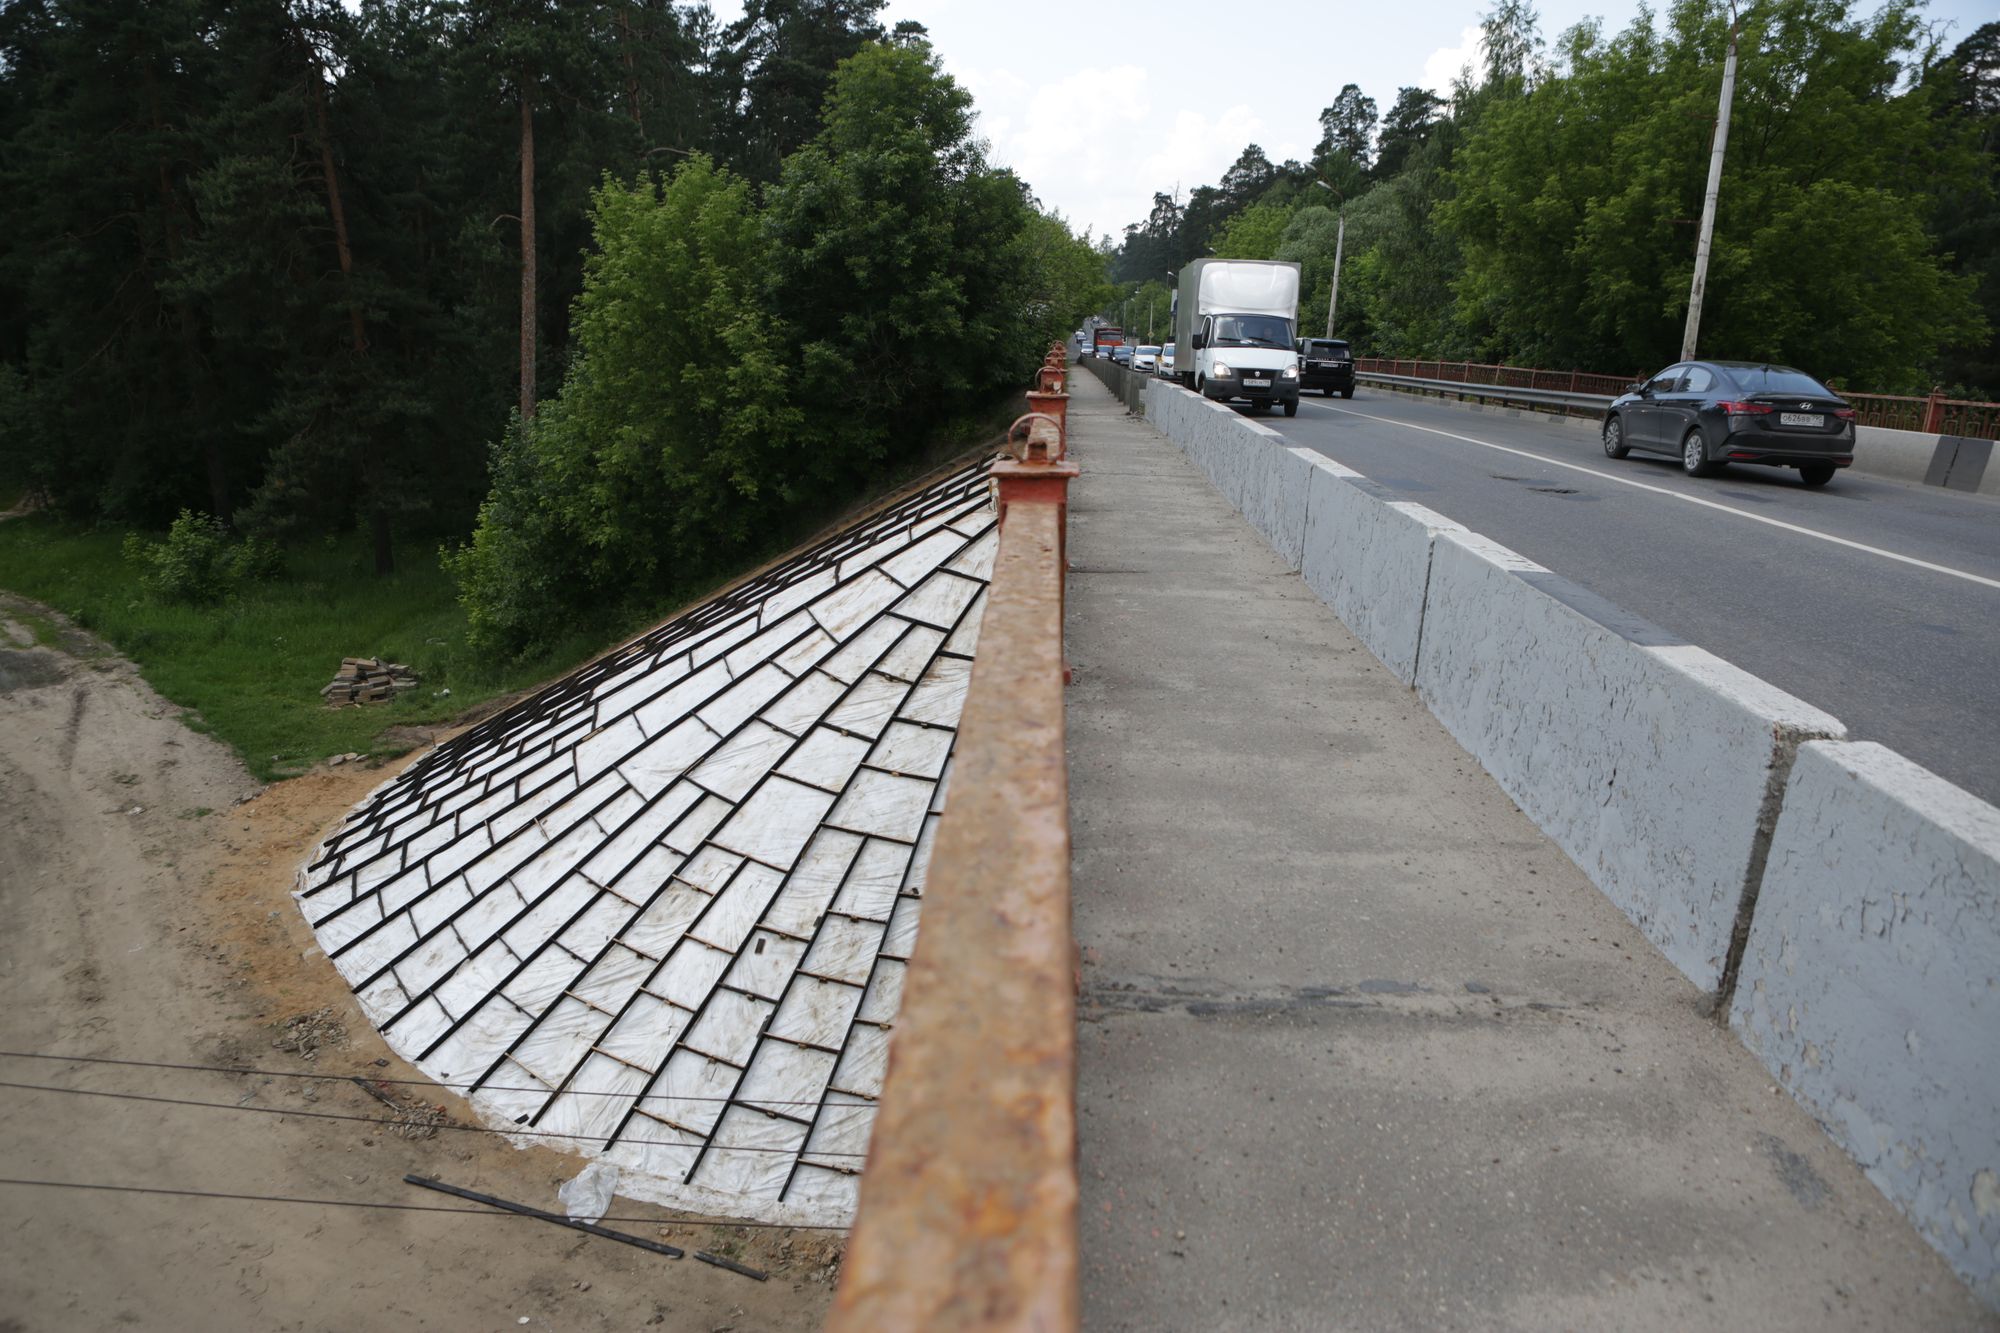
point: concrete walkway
(1360, 1048)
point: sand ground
(145, 914)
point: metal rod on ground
(670, 1251)
(731, 1265)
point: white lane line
(1968, 576)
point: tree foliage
(1543, 212)
(737, 360)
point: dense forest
(592, 294)
(1545, 212)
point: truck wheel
(1292, 407)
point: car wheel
(1292, 408)
(1614, 438)
(1694, 456)
(1817, 474)
(1347, 392)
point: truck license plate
(1801, 419)
(1258, 384)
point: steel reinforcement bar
(967, 1215)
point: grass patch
(249, 671)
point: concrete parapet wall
(1846, 901)
(1655, 765)
(1368, 557)
(1870, 985)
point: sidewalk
(1359, 1047)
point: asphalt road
(1876, 601)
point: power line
(401, 1124)
(395, 1207)
(252, 1071)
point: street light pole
(1339, 245)
(1701, 250)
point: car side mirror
(1642, 390)
(1199, 341)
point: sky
(1098, 105)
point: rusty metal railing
(967, 1216)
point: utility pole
(1339, 245)
(1700, 286)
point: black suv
(1326, 364)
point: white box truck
(1235, 331)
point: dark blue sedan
(1712, 413)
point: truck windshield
(1253, 331)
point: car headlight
(1222, 372)
(1291, 373)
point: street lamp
(1339, 244)
(1700, 285)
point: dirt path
(145, 913)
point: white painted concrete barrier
(1870, 986)
(1655, 765)
(1899, 455)
(1368, 557)
(1861, 893)
(1286, 504)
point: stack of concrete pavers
(367, 680)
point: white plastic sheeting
(659, 914)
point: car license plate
(1258, 384)
(1801, 419)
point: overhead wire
(386, 1206)
(253, 1071)
(388, 1123)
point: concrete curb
(1871, 985)
(1843, 901)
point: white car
(1146, 359)
(1167, 361)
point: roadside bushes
(199, 563)
(741, 361)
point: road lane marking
(1967, 575)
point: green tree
(1568, 199)
(1406, 128)
(672, 435)
(1968, 219)
(1253, 233)
(895, 265)
(1348, 126)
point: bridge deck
(1358, 1046)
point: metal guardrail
(1578, 404)
(968, 1207)
(1513, 377)
(1931, 414)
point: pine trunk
(527, 253)
(170, 209)
(371, 464)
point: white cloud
(1446, 63)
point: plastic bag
(588, 1197)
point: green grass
(249, 671)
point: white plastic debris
(588, 1197)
